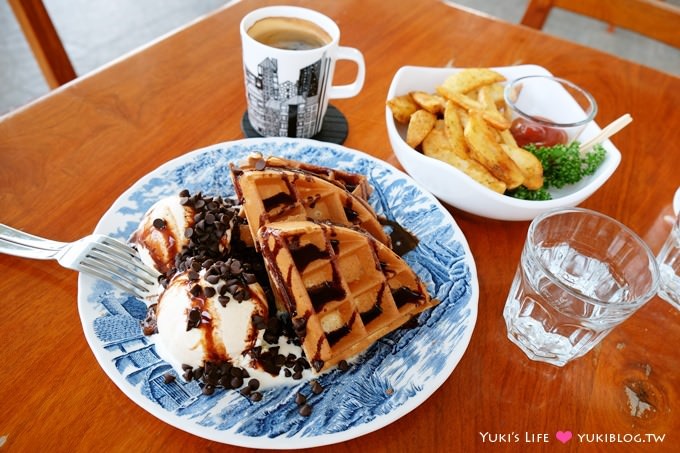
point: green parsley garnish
(562, 165)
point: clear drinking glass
(669, 266)
(581, 274)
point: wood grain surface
(65, 158)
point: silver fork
(98, 255)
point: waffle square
(277, 194)
(342, 288)
(354, 183)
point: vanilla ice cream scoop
(202, 317)
(176, 223)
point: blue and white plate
(392, 378)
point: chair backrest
(652, 18)
(44, 41)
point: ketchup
(526, 132)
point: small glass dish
(548, 120)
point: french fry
(420, 124)
(436, 143)
(402, 108)
(497, 92)
(454, 130)
(471, 79)
(460, 99)
(438, 146)
(528, 164)
(487, 151)
(433, 103)
(507, 138)
(491, 113)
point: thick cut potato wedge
(420, 124)
(491, 113)
(471, 79)
(402, 108)
(454, 130)
(438, 146)
(487, 151)
(462, 100)
(433, 103)
(528, 164)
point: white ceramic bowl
(459, 190)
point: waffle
(352, 182)
(277, 194)
(342, 288)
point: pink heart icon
(563, 436)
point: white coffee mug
(288, 85)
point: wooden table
(66, 157)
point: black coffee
(289, 33)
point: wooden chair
(652, 18)
(44, 41)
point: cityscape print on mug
(289, 108)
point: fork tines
(119, 264)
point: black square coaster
(333, 130)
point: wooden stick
(611, 129)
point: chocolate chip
(208, 389)
(279, 360)
(258, 322)
(299, 323)
(159, 224)
(149, 324)
(194, 319)
(225, 381)
(256, 396)
(317, 364)
(209, 291)
(343, 365)
(236, 382)
(316, 387)
(271, 338)
(240, 295)
(168, 378)
(305, 410)
(196, 290)
(235, 267)
(300, 399)
(254, 384)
